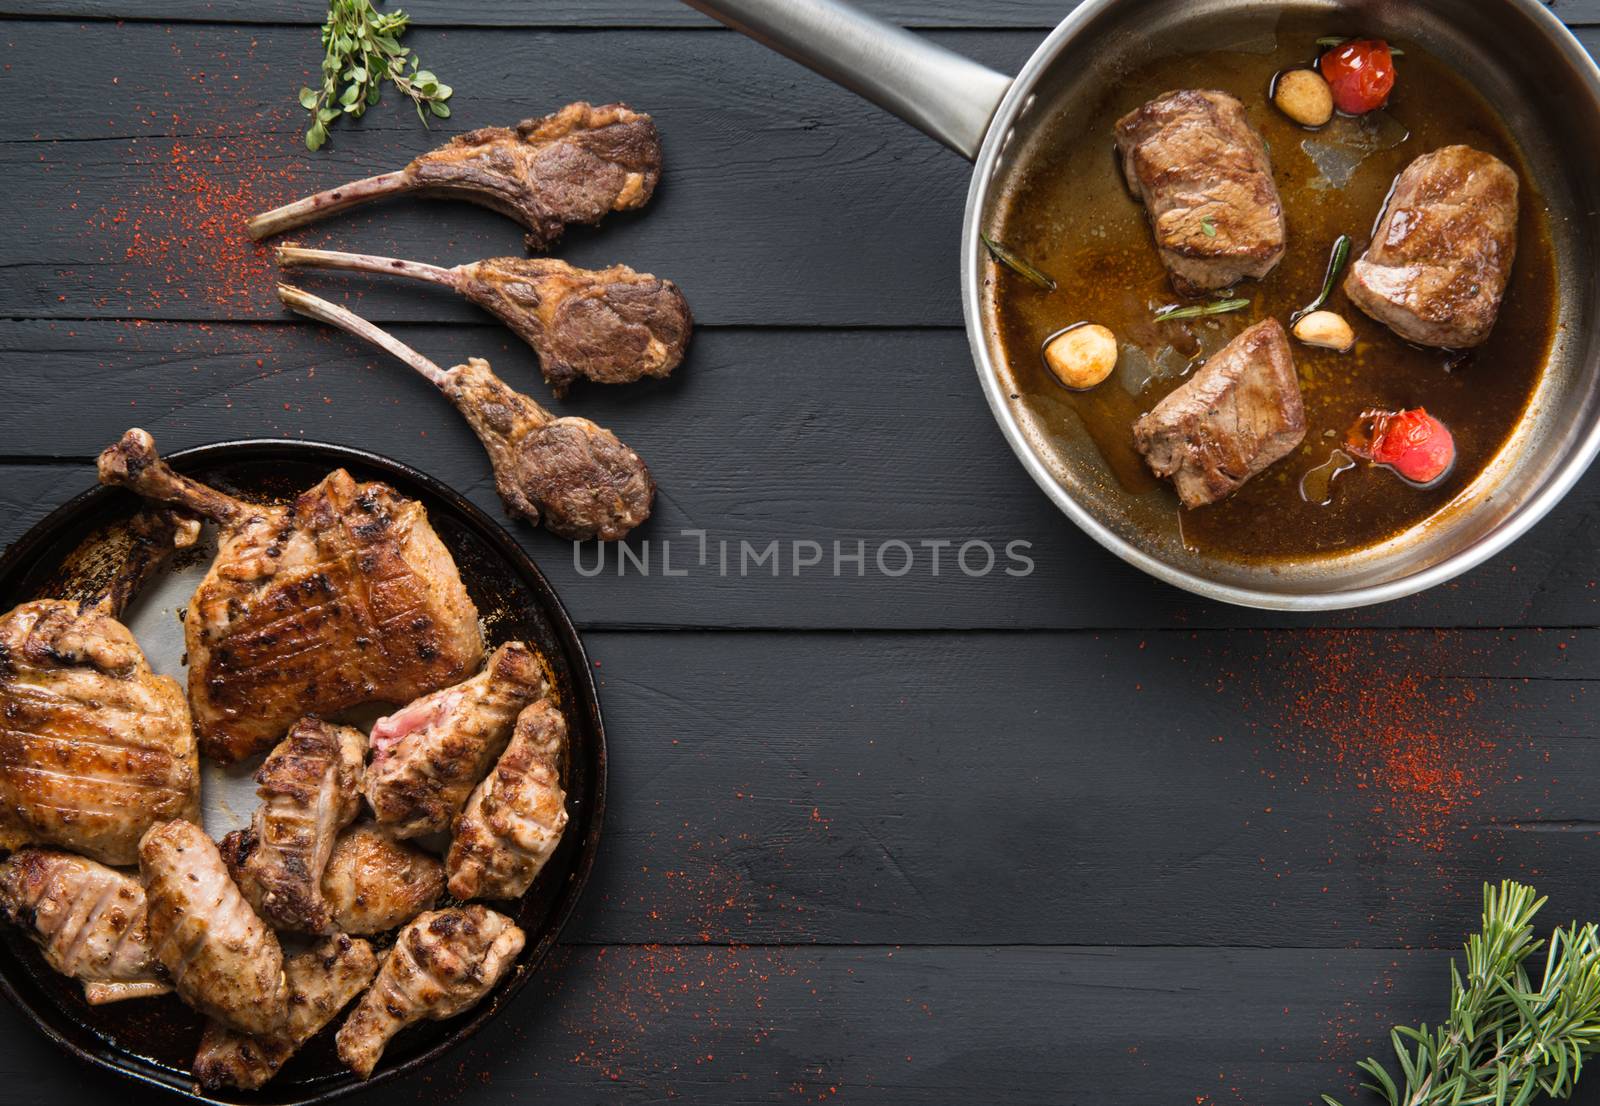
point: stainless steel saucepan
(1535, 73)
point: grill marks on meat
(515, 817)
(95, 748)
(574, 166)
(1238, 414)
(428, 756)
(374, 883)
(1204, 176)
(343, 597)
(321, 982)
(310, 788)
(88, 920)
(1442, 251)
(441, 965)
(612, 326)
(222, 959)
(575, 477)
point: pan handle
(941, 93)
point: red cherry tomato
(1413, 443)
(1361, 75)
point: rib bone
(575, 477)
(570, 167)
(613, 325)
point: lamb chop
(374, 883)
(95, 748)
(613, 326)
(572, 475)
(427, 757)
(515, 818)
(1442, 251)
(89, 921)
(223, 959)
(442, 964)
(571, 167)
(321, 980)
(310, 789)
(343, 596)
(1205, 178)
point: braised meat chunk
(1442, 251)
(1238, 414)
(1205, 179)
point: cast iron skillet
(154, 1040)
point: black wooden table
(1067, 836)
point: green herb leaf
(1328, 42)
(1336, 259)
(1018, 264)
(1199, 310)
(1209, 226)
(361, 49)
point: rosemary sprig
(1199, 310)
(1336, 260)
(1018, 264)
(361, 49)
(1504, 1041)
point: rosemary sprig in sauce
(1328, 42)
(1199, 310)
(1018, 264)
(1336, 260)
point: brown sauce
(1072, 216)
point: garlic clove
(1326, 330)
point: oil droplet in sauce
(1316, 486)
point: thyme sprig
(1505, 1040)
(361, 49)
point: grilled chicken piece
(1442, 251)
(515, 818)
(613, 326)
(568, 473)
(374, 883)
(1204, 176)
(222, 959)
(95, 748)
(428, 756)
(322, 981)
(310, 789)
(571, 167)
(344, 596)
(442, 964)
(1238, 414)
(88, 920)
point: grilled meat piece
(1442, 251)
(310, 789)
(222, 959)
(95, 748)
(88, 920)
(374, 883)
(568, 473)
(613, 326)
(1238, 414)
(571, 167)
(442, 964)
(321, 981)
(1205, 179)
(515, 817)
(428, 756)
(344, 596)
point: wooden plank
(787, 436)
(1040, 14)
(906, 1026)
(130, 192)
